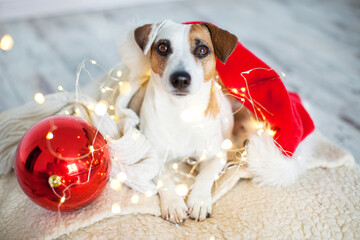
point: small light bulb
(135, 199)
(216, 177)
(111, 107)
(125, 88)
(135, 135)
(148, 193)
(115, 208)
(62, 199)
(243, 89)
(271, 132)
(159, 184)
(39, 98)
(203, 156)
(6, 42)
(218, 86)
(234, 90)
(181, 189)
(60, 88)
(118, 73)
(220, 155)
(93, 62)
(101, 108)
(115, 184)
(226, 144)
(175, 166)
(121, 176)
(91, 107)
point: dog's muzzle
(180, 81)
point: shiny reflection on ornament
(91, 148)
(39, 98)
(181, 189)
(135, 199)
(6, 42)
(72, 168)
(115, 208)
(49, 136)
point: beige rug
(323, 204)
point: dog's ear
(223, 41)
(146, 34)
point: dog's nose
(180, 80)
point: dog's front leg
(199, 201)
(173, 207)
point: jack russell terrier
(182, 112)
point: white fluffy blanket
(324, 203)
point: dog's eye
(201, 51)
(162, 48)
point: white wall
(20, 9)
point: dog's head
(183, 57)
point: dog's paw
(173, 208)
(199, 206)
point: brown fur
(136, 101)
(209, 62)
(157, 62)
(212, 109)
(141, 35)
(223, 41)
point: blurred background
(316, 43)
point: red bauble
(62, 163)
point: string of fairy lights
(182, 189)
(122, 86)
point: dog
(182, 111)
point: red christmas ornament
(62, 163)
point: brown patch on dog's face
(159, 54)
(202, 49)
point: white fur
(269, 165)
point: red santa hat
(261, 90)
